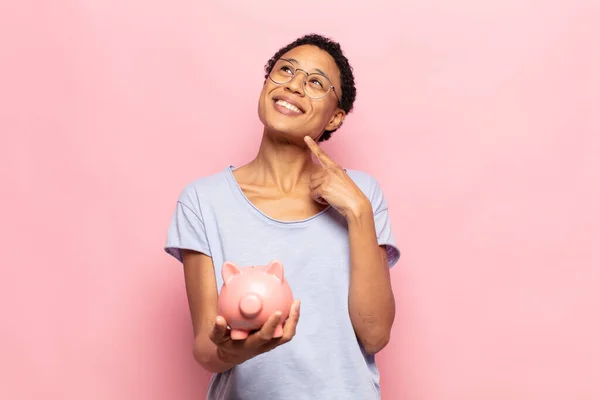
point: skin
(285, 183)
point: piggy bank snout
(250, 305)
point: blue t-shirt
(324, 360)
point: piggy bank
(250, 295)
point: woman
(327, 225)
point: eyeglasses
(316, 85)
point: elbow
(202, 357)
(373, 334)
(207, 357)
(374, 342)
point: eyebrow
(293, 60)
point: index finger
(323, 158)
(267, 331)
(289, 329)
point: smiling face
(285, 109)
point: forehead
(312, 58)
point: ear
(275, 267)
(336, 120)
(228, 271)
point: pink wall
(480, 120)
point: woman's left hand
(332, 185)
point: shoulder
(204, 187)
(369, 185)
(366, 182)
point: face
(285, 109)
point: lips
(289, 102)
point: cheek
(325, 113)
(262, 101)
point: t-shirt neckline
(229, 171)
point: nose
(250, 305)
(296, 85)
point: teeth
(288, 106)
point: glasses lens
(317, 86)
(282, 72)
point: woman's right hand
(238, 351)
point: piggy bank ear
(228, 271)
(275, 267)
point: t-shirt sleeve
(186, 230)
(383, 225)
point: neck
(282, 163)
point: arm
(371, 300)
(201, 288)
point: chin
(284, 132)
(282, 125)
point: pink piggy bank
(250, 295)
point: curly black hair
(348, 94)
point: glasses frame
(331, 88)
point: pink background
(480, 120)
